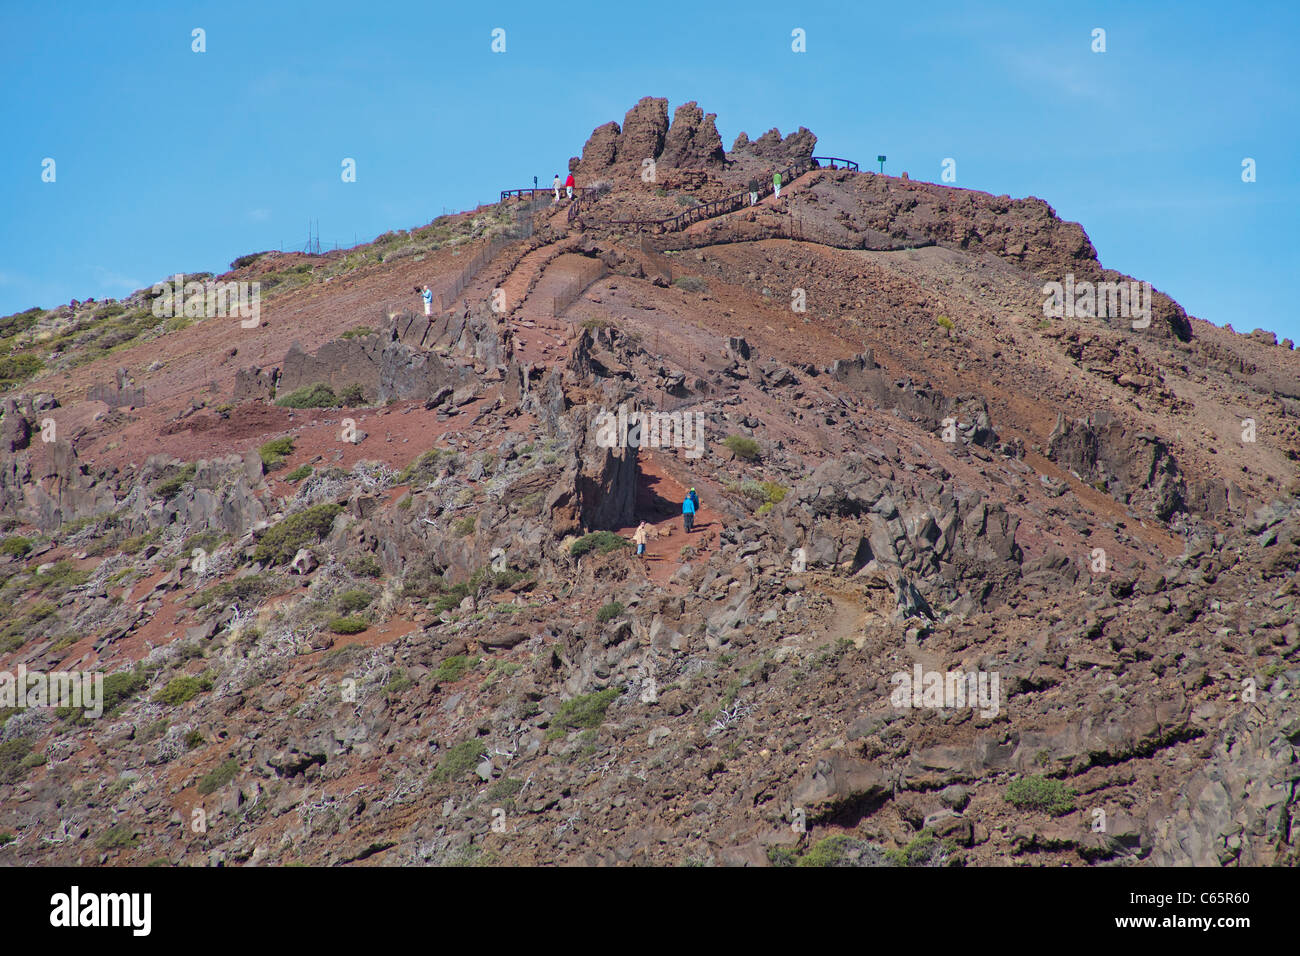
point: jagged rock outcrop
(771, 148)
(122, 394)
(46, 485)
(643, 132)
(255, 384)
(1138, 469)
(601, 150)
(693, 139)
(690, 142)
(15, 429)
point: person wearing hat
(695, 499)
(688, 513)
(638, 538)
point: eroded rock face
(771, 147)
(1140, 467)
(693, 139)
(644, 129)
(691, 142)
(601, 151)
(15, 429)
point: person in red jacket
(568, 186)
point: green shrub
(945, 322)
(742, 447)
(274, 452)
(465, 526)
(924, 849)
(250, 589)
(457, 760)
(610, 611)
(319, 395)
(219, 777)
(140, 541)
(63, 576)
(16, 546)
(20, 321)
(193, 740)
(359, 331)
(505, 788)
(827, 852)
(118, 837)
(119, 688)
(764, 493)
(400, 681)
(168, 487)
(691, 284)
(12, 766)
(454, 668)
(299, 473)
(6, 838)
(363, 566)
(348, 625)
(601, 542)
(16, 369)
(451, 598)
(354, 599)
(586, 711)
(1040, 793)
(181, 689)
(281, 542)
(782, 855)
(351, 396)
(427, 465)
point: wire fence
(588, 272)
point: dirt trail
(659, 504)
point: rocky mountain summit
(969, 584)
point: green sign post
(881, 161)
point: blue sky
(169, 160)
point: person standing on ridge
(638, 538)
(776, 186)
(688, 513)
(753, 191)
(427, 295)
(568, 185)
(555, 184)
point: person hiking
(568, 185)
(555, 184)
(695, 499)
(753, 192)
(427, 295)
(638, 538)
(776, 186)
(688, 513)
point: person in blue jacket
(688, 513)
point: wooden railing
(578, 191)
(835, 162)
